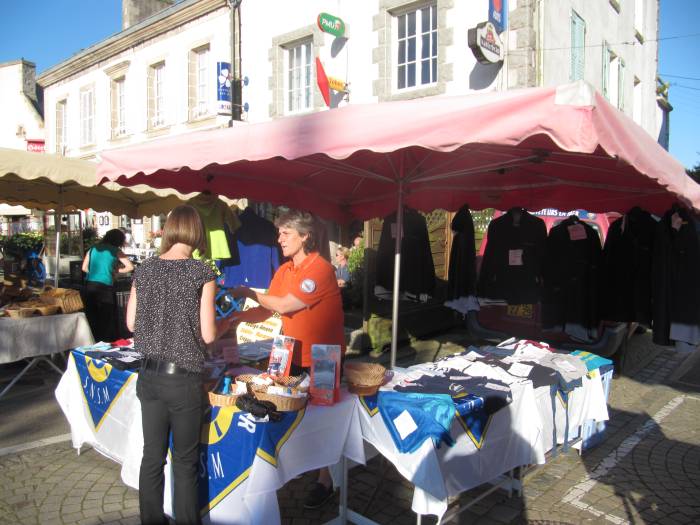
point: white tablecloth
(244, 461)
(562, 416)
(519, 434)
(513, 438)
(42, 335)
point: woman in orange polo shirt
(304, 291)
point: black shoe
(318, 496)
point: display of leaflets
(248, 332)
(325, 374)
(281, 356)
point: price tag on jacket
(576, 232)
(515, 257)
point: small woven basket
(247, 379)
(364, 374)
(291, 381)
(47, 309)
(20, 313)
(283, 403)
(363, 390)
(221, 400)
(66, 299)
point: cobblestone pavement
(647, 470)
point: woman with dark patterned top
(171, 312)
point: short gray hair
(304, 223)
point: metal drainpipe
(235, 73)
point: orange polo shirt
(313, 282)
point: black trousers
(169, 403)
(101, 310)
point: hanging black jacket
(461, 275)
(570, 275)
(417, 267)
(512, 265)
(626, 274)
(676, 274)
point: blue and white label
(308, 285)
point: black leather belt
(165, 368)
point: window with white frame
(61, 126)
(198, 82)
(299, 77)
(118, 107)
(156, 95)
(87, 116)
(578, 47)
(637, 101)
(609, 70)
(613, 77)
(416, 47)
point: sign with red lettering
(35, 146)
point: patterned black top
(168, 294)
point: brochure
(325, 374)
(281, 356)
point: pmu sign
(331, 24)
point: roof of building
(147, 29)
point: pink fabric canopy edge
(563, 147)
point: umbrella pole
(57, 221)
(397, 272)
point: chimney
(29, 79)
(135, 11)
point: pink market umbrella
(564, 147)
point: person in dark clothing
(101, 263)
(171, 312)
(461, 275)
(512, 265)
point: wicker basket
(292, 381)
(20, 312)
(364, 374)
(283, 403)
(47, 309)
(363, 390)
(222, 400)
(247, 379)
(66, 299)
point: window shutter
(151, 104)
(578, 51)
(192, 85)
(60, 116)
(606, 73)
(83, 118)
(114, 105)
(91, 116)
(621, 86)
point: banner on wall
(498, 14)
(223, 88)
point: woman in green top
(102, 262)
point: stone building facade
(165, 72)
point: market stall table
(245, 460)
(518, 435)
(35, 338)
